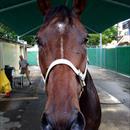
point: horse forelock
(63, 20)
(62, 12)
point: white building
(10, 52)
(124, 32)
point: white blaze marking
(61, 48)
(61, 27)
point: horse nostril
(45, 123)
(78, 123)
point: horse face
(62, 37)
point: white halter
(68, 63)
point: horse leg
(90, 105)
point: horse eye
(85, 40)
(38, 41)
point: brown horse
(72, 101)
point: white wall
(9, 54)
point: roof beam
(26, 33)
(91, 29)
(16, 6)
(118, 3)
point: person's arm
(19, 65)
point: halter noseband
(68, 63)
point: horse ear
(44, 6)
(79, 6)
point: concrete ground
(22, 111)
(115, 115)
(114, 92)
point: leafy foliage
(30, 39)
(107, 36)
(6, 32)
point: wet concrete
(116, 108)
(115, 117)
(16, 111)
(23, 110)
(114, 83)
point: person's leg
(21, 78)
(27, 75)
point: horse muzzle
(74, 122)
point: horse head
(62, 51)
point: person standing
(23, 64)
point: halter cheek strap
(68, 63)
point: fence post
(116, 55)
(100, 49)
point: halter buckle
(82, 82)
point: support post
(1, 56)
(100, 40)
(100, 49)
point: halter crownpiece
(68, 63)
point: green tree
(30, 39)
(6, 32)
(107, 36)
(93, 40)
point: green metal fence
(32, 57)
(116, 59)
